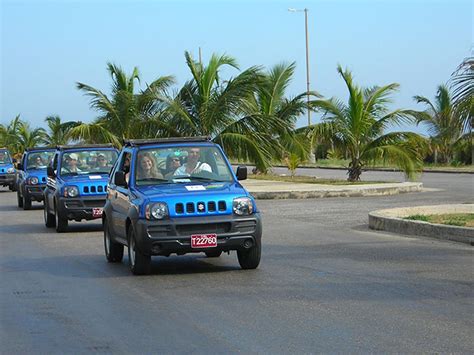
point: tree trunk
(355, 170)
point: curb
(391, 220)
(358, 191)
(434, 170)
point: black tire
(49, 220)
(213, 254)
(26, 202)
(20, 199)
(250, 258)
(113, 250)
(61, 221)
(139, 263)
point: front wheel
(250, 258)
(61, 222)
(49, 220)
(19, 198)
(140, 264)
(113, 250)
(26, 202)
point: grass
(310, 180)
(453, 219)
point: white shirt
(199, 167)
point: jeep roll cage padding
(87, 146)
(140, 142)
(43, 149)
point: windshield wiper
(153, 179)
(201, 178)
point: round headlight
(242, 206)
(71, 191)
(33, 180)
(157, 210)
(10, 170)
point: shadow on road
(95, 266)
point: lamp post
(305, 10)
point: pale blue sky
(47, 46)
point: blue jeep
(7, 170)
(77, 184)
(178, 195)
(31, 177)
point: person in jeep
(193, 165)
(147, 168)
(71, 161)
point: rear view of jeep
(178, 196)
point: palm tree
(358, 128)
(29, 138)
(9, 133)
(58, 133)
(445, 124)
(462, 84)
(125, 114)
(247, 115)
(277, 115)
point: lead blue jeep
(77, 184)
(31, 177)
(178, 196)
(7, 170)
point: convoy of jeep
(156, 197)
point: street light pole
(307, 64)
(305, 10)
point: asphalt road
(325, 284)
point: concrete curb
(391, 220)
(324, 191)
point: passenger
(71, 161)
(36, 162)
(193, 165)
(126, 167)
(3, 158)
(173, 162)
(147, 167)
(102, 163)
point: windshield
(5, 157)
(87, 162)
(39, 160)
(181, 164)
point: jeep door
(119, 198)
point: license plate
(97, 212)
(204, 241)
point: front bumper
(80, 208)
(35, 192)
(174, 235)
(7, 179)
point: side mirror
(241, 173)
(50, 172)
(19, 166)
(14, 161)
(119, 178)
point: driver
(193, 165)
(71, 163)
(3, 158)
(38, 162)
